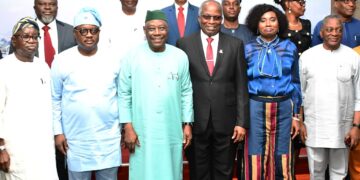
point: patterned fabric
(268, 147)
(24, 23)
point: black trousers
(211, 156)
(61, 166)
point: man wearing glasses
(85, 110)
(351, 34)
(329, 75)
(221, 100)
(26, 137)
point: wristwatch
(356, 125)
(2, 148)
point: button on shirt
(330, 86)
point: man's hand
(303, 132)
(130, 138)
(239, 134)
(352, 137)
(294, 128)
(61, 143)
(187, 135)
(4, 161)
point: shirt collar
(185, 6)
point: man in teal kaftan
(156, 106)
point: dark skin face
(297, 8)
(46, 10)
(25, 49)
(268, 26)
(331, 32)
(345, 10)
(156, 32)
(231, 9)
(87, 43)
(180, 2)
(129, 6)
(210, 19)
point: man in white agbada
(330, 85)
(26, 136)
(85, 109)
(155, 101)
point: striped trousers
(268, 146)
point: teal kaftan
(155, 95)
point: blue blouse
(273, 69)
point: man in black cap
(155, 101)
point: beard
(47, 19)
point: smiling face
(46, 10)
(231, 9)
(210, 18)
(268, 26)
(87, 37)
(156, 32)
(25, 42)
(345, 9)
(331, 32)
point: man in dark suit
(61, 34)
(189, 13)
(62, 38)
(221, 100)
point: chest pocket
(343, 72)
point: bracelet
(296, 119)
(2, 148)
(356, 125)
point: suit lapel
(190, 15)
(173, 21)
(61, 39)
(219, 56)
(199, 48)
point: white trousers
(319, 158)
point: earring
(289, 10)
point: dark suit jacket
(192, 24)
(66, 37)
(224, 95)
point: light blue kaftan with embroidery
(155, 95)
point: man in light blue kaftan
(85, 108)
(155, 101)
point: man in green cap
(155, 101)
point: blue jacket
(191, 26)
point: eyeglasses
(330, 30)
(84, 32)
(215, 18)
(348, 1)
(301, 2)
(26, 37)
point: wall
(13, 10)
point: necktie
(209, 56)
(181, 21)
(48, 48)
